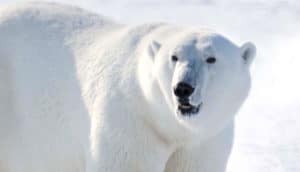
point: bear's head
(200, 79)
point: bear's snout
(183, 90)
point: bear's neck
(124, 83)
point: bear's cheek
(227, 88)
(164, 76)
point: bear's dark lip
(186, 109)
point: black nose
(183, 90)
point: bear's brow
(206, 49)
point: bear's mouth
(186, 109)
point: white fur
(81, 93)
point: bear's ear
(248, 52)
(153, 48)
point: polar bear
(82, 93)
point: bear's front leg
(125, 150)
(210, 156)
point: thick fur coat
(82, 93)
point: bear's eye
(174, 58)
(211, 60)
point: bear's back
(46, 13)
(39, 29)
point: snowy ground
(267, 138)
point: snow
(267, 126)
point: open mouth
(186, 109)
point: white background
(268, 125)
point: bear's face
(204, 79)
